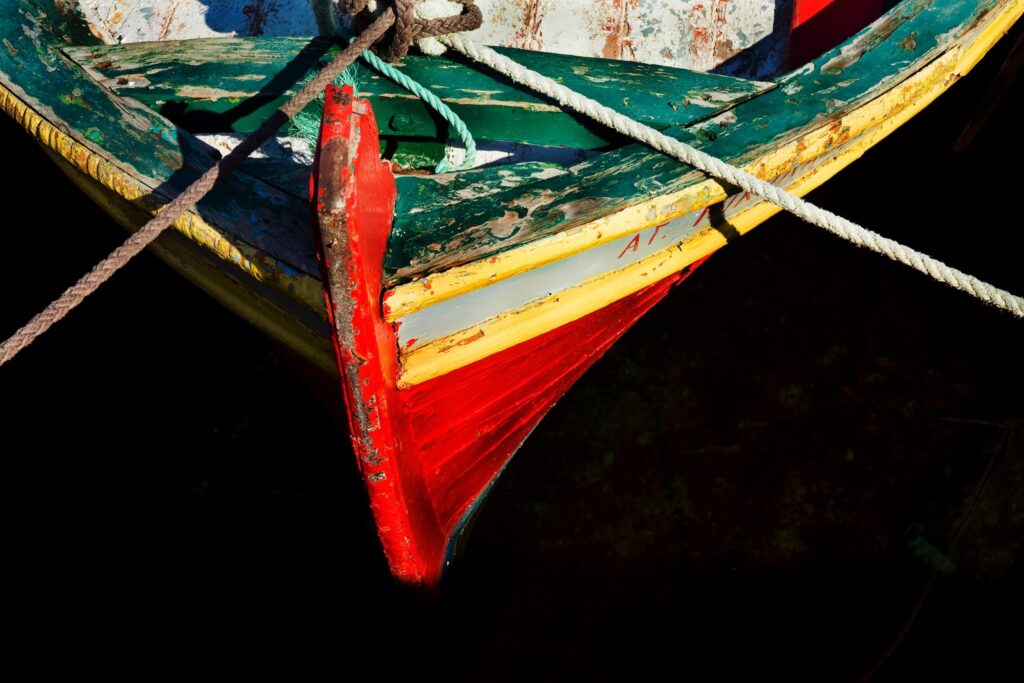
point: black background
(737, 488)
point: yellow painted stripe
(432, 289)
(886, 113)
(260, 265)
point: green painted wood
(425, 194)
(208, 86)
(144, 144)
(62, 18)
(903, 41)
(413, 153)
(232, 84)
(33, 66)
(435, 226)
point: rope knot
(417, 21)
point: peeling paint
(133, 21)
(870, 77)
(198, 92)
(879, 32)
(692, 34)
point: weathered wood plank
(149, 149)
(892, 49)
(436, 192)
(649, 256)
(900, 43)
(63, 18)
(232, 84)
(207, 86)
(129, 21)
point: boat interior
(215, 69)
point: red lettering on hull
(633, 245)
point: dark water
(758, 480)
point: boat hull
(459, 404)
(429, 453)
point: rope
(106, 268)
(434, 102)
(837, 225)
(407, 28)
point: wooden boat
(464, 304)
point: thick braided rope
(408, 28)
(470, 20)
(102, 272)
(457, 124)
(837, 225)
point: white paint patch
(134, 21)
(296, 150)
(497, 152)
(692, 34)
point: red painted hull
(431, 452)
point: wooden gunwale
(874, 121)
(140, 193)
(819, 139)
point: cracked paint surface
(693, 34)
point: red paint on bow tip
(428, 453)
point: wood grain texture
(811, 98)
(822, 140)
(234, 83)
(144, 153)
(968, 30)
